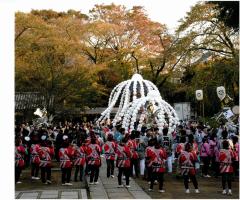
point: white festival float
(139, 103)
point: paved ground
(34, 189)
(52, 194)
(107, 188)
(210, 188)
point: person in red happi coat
(93, 151)
(34, 157)
(132, 144)
(79, 160)
(158, 157)
(187, 160)
(109, 151)
(46, 153)
(226, 157)
(20, 152)
(123, 162)
(66, 153)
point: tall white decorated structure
(139, 103)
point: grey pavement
(52, 194)
(108, 187)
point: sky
(164, 11)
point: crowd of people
(150, 153)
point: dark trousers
(149, 173)
(66, 175)
(94, 173)
(192, 178)
(46, 174)
(226, 178)
(18, 171)
(206, 162)
(56, 153)
(159, 178)
(79, 168)
(34, 169)
(126, 172)
(87, 169)
(236, 168)
(135, 164)
(110, 167)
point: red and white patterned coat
(19, 156)
(225, 159)
(34, 149)
(132, 144)
(195, 148)
(45, 155)
(236, 151)
(66, 155)
(123, 156)
(186, 161)
(93, 154)
(180, 147)
(157, 159)
(79, 156)
(148, 153)
(109, 150)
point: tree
(47, 61)
(208, 76)
(229, 13)
(209, 33)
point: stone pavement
(34, 189)
(52, 194)
(107, 187)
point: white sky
(167, 11)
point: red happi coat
(132, 144)
(109, 150)
(186, 161)
(34, 149)
(195, 148)
(236, 151)
(180, 147)
(123, 156)
(19, 156)
(93, 154)
(45, 155)
(65, 155)
(157, 160)
(148, 153)
(80, 156)
(225, 159)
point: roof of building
(28, 100)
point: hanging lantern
(221, 92)
(199, 95)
